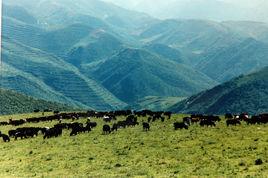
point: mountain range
(247, 93)
(96, 55)
(200, 9)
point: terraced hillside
(13, 102)
(48, 77)
(133, 74)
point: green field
(131, 152)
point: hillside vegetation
(13, 102)
(247, 93)
(155, 103)
(133, 74)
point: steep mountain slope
(243, 94)
(155, 103)
(56, 75)
(15, 103)
(167, 52)
(88, 35)
(194, 35)
(237, 59)
(98, 45)
(133, 74)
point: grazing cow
(16, 122)
(92, 124)
(12, 133)
(121, 124)
(107, 119)
(195, 118)
(146, 126)
(168, 114)
(180, 125)
(5, 137)
(207, 123)
(114, 127)
(228, 116)
(233, 122)
(21, 135)
(254, 120)
(187, 120)
(106, 129)
(52, 132)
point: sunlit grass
(161, 152)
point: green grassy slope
(155, 103)
(196, 35)
(167, 52)
(13, 102)
(56, 75)
(243, 94)
(97, 46)
(162, 152)
(134, 74)
(240, 58)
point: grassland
(131, 152)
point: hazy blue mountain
(19, 13)
(16, 103)
(133, 74)
(87, 34)
(243, 94)
(58, 13)
(232, 61)
(167, 52)
(219, 10)
(194, 35)
(249, 29)
(96, 46)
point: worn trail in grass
(161, 152)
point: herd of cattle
(131, 120)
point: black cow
(233, 122)
(5, 137)
(146, 126)
(180, 125)
(91, 124)
(114, 127)
(106, 129)
(20, 134)
(187, 120)
(207, 123)
(12, 133)
(52, 132)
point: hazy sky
(255, 10)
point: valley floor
(161, 152)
